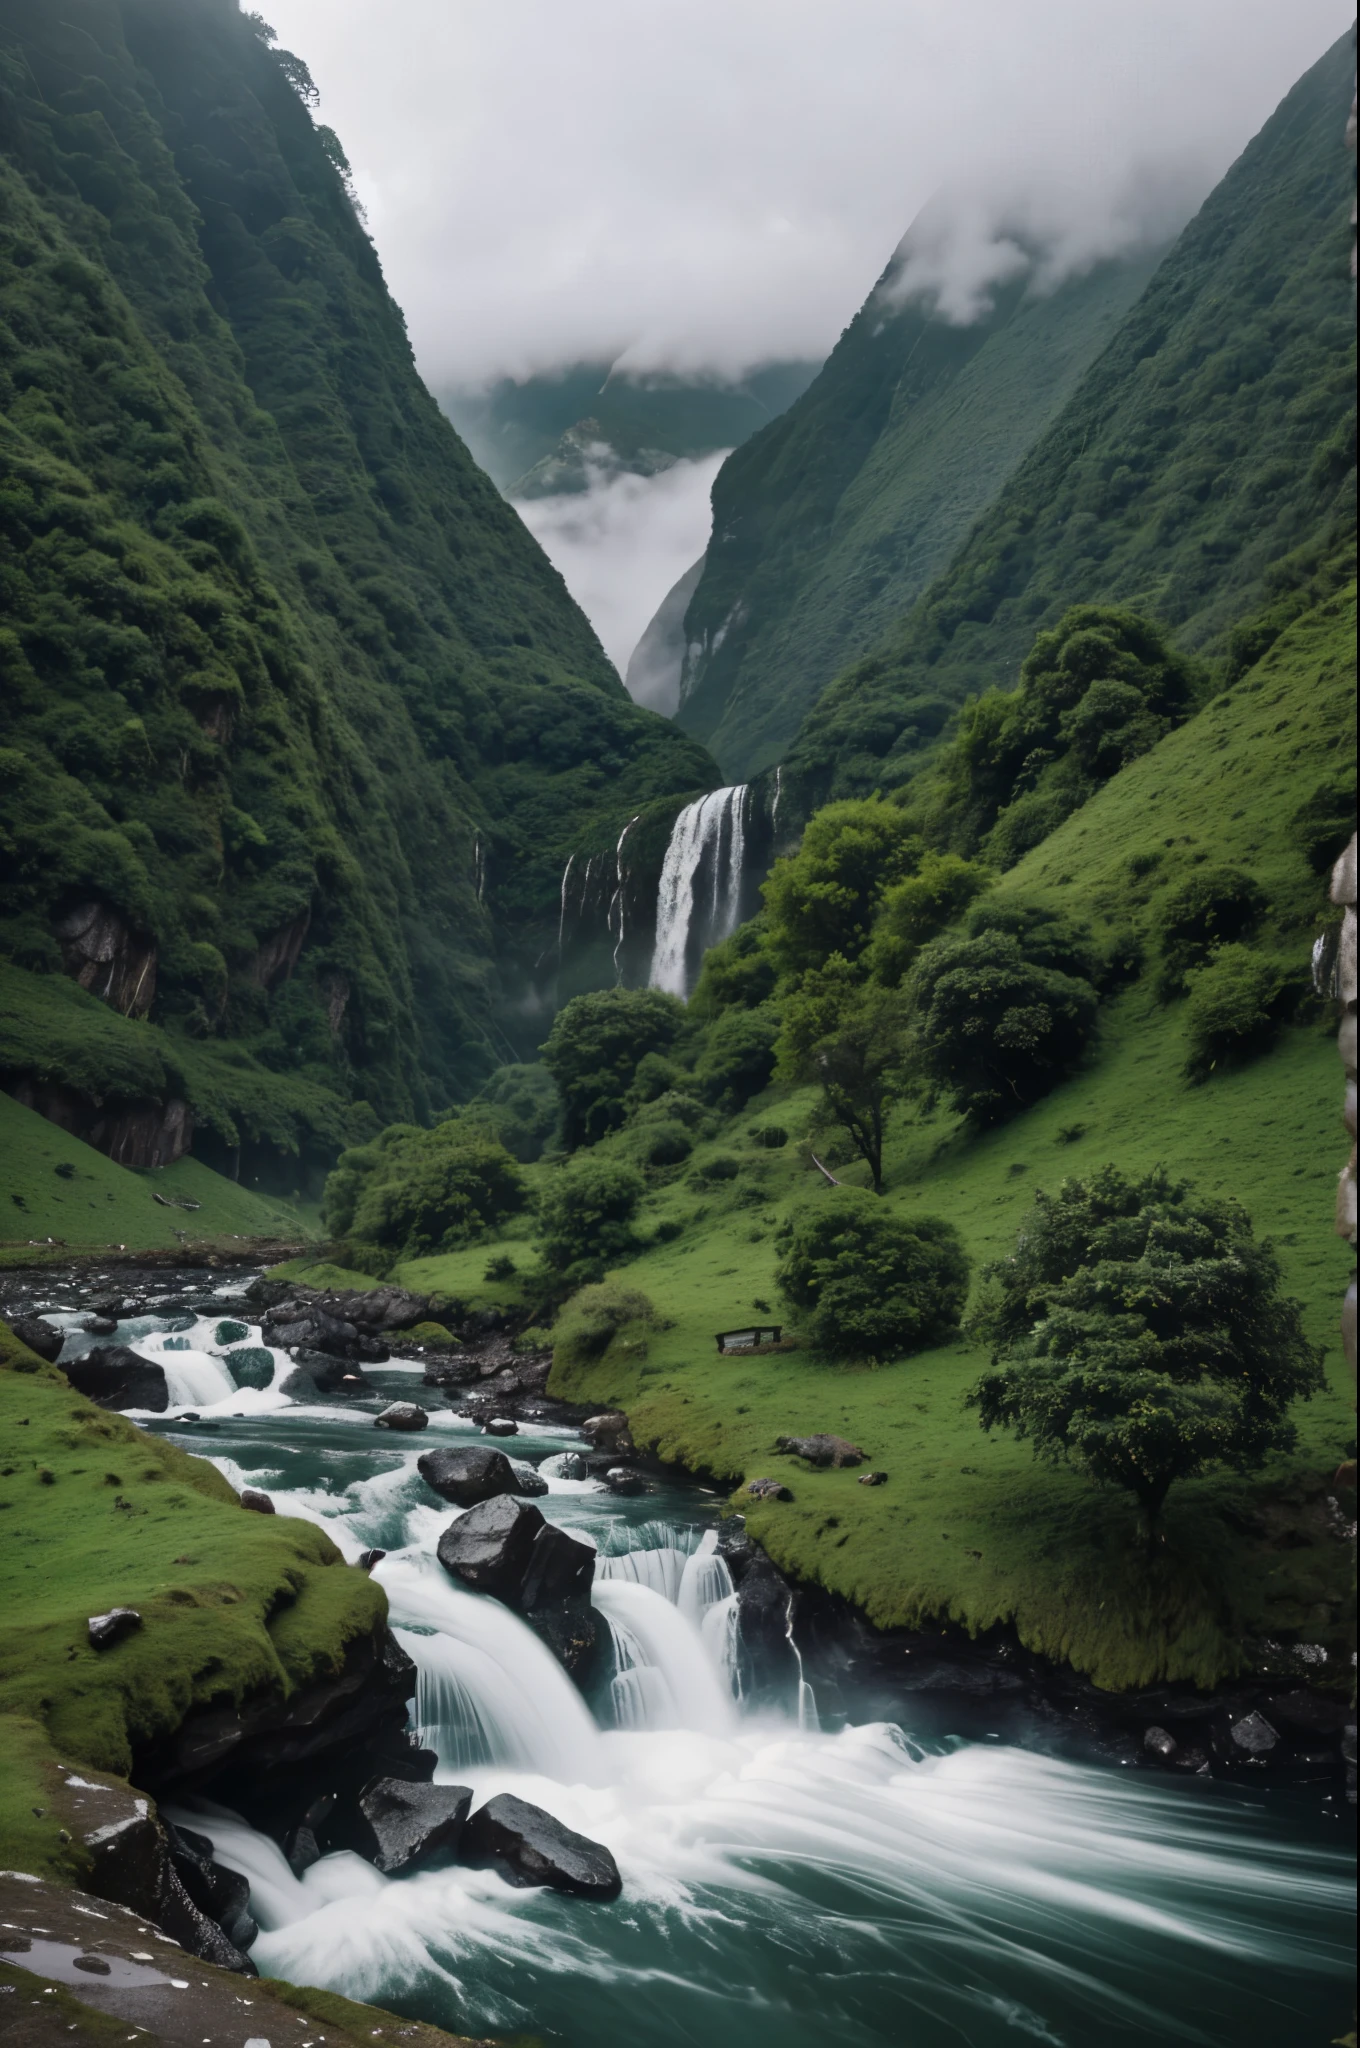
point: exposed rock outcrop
(821, 1450)
(142, 1134)
(100, 950)
(118, 1377)
(504, 1547)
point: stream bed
(786, 1880)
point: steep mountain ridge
(829, 522)
(299, 724)
(1203, 469)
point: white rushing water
(699, 897)
(783, 1885)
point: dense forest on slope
(1203, 471)
(299, 724)
(829, 522)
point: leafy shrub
(721, 1167)
(519, 1105)
(1140, 1333)
(997, 1024)
(664, 1144)
(737, 1061)
(535, 1338)
(502, 1267)
(738, 973)
(773, 1137)
(1026, 823)
(675, 1106)
(822, 899)
(917, 910)
(592, 1319)
(422, 1191)
(585, 1217)
(655, 1076)
(869, 1284)
(595, 1048)
(1212, 907)
(1233, 1009)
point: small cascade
(699, 898)
(562, 912)
(192, 1378)
(658, 1639)
(618, 901)
(807, 1699)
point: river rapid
(784, 1881)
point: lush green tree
(917, 910)
(738, 1058)
(1212, 907)
(738, 973)
(585, 1217)
(850, 1037)
(1233, 1011)
(995, 1021)
(519, 1105)
(870, 1284)
(594, 1317)
(1140, 1333)
(595, 1048)
(822, 899)
(422, 1191)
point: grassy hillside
(97, 1514)
(288, 691)
(969, 1526)
(1202, 469)
(55, 1186)
(829, 522)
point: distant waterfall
(700, 892)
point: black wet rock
(504, 1547)
(736, 1547)
(530, 1847)
(40, 1336)
(403, 1825)
(118, 1377)
(467, 1475)
(404, 1415)
(1161, 1743)
(259, 1502)
(529, 1483)
(99, 1326)
(608, 1432)
(333, 1375)
(1252, 1735)
(301, 1846)
(108, 1629)
(368, 1558)
(222, 1894)
(622, 1479)
(501, 1425)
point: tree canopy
(868, 1284)
(595, 1048)
(1140, 1332)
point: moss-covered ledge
(96, 1513)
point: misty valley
(677, 1028)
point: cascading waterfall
(618, 901)
(782, 1884)
(707, 843)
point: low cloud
(710, 184)
(623, 543)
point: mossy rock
(431, 1337)
(251, 1366)
(230, 1333)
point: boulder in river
(501, 1425)
(468, 1475)
(528, 1482)
(251, 1365)
(99, 1326)
(504, 1547)
(1252, 1736)
(40, 1336)
(622, 1479)
(118, 1377)
(608, 1432)
(1161, 1743)
(821, 1450)
(405, 1824)
(402, 1415)
(530, 1847)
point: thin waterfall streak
(778, 792)
(562, 913)
(808, 1721)
(619, 898)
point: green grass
(96, 1513)
(971, 1527)
(101, 1205)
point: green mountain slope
(828, 523)
(971, 1527)
(1213, 440)
(298, 723)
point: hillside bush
(738, 973)
(1233, 1009)
(664, 1144)
(590, 1321)
(1139, 1332)
(917, 910)
(585, 1217)
(851, 1039)
(595, 1048)
(997, 1022)
(869, 1284)
(518, 1105)
(822, 899)
(1212, 907)
(422, 1191)
(737, 1060)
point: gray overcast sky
(711, 183)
